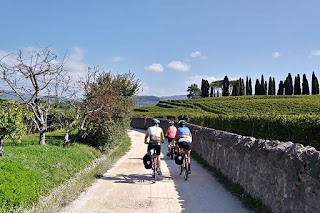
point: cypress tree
(257, 87)
(211, 91)
(204, 88)
(242, 88)
(305, 85)
(250, 87)
(297, 85)
(315, 85)
(247, 86)
(225, 86)
(265, 88)
(270, 92)
(274, 86)
(288, 85)
(262, 89)
(281, 87)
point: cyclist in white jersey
(156, 137)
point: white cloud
(117, 59)
(276, 54)
(195, 54)
(178, 66)
(315, 52)
(154, 68)
(75, 63)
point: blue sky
(169, 45)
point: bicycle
(184, 166)
(154, 160)
(172, 149)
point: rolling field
(285, 118)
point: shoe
(159, 172)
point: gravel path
(127, 187)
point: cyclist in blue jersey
(184, 139)
(156, 137)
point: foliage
(12, 117)
(109, 99)
(204, 88)
(314, 85)
(305, 85)
(193, 91)
(285, 118)
(225, 86)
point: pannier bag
(147, 161)
(178, 159)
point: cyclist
(156, 137)
(171, 134)
(184, 139)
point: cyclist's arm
(162, 137)
(146, 137)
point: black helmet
(155, 121)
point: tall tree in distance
(242, 88)
(305, 85)
(288, 85)
(274, 86)
(193, 91)
(270, 89)
(263, 86)
(281, 88)
(297, 85)
(314, 85)
(204, 88)
(250, 87)
(257, 87)
(225, 86)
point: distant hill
(174, 97)
(146, 100)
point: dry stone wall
(283, 175)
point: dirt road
(128, 187)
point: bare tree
(37, 79)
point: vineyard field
(285, 118)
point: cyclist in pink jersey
(171, 134)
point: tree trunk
(1, 147)
(42, 138)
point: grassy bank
(30, 172)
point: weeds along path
(127, 187)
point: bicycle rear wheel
(186, 172)
(154, 174)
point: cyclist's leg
(158, 152)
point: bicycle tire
(171, 153)
(155, 168)
(186, 172)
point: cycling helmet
(155, 121)
(171, 123)
(182, 122)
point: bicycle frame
(154, 159)
(184, 165)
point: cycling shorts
(170, 139)
(184, 145)
(157, 147)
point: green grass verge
(30, 172)
(234, 188)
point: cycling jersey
(171, 132)
(184, 134)
(154, 133)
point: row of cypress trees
(286, 87)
